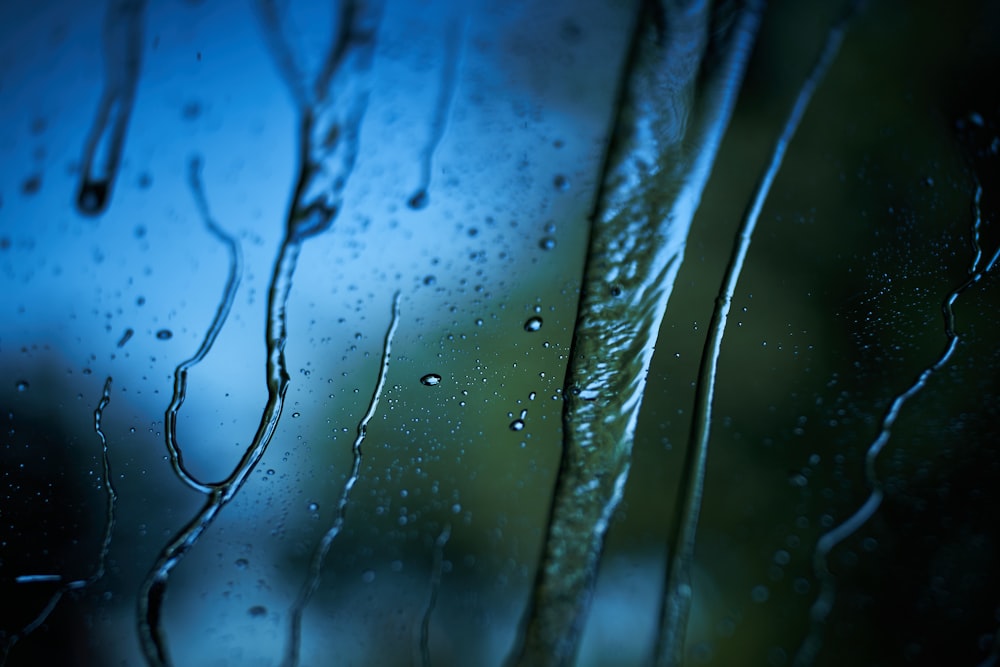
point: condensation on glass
(290, 291)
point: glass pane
(304, 280)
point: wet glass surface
(290, 293)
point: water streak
(111, 505)
(330, 114)
(439, 122)
(823, 605)
(331, 106)
(437, 568)
(102, 151)
(678, 587)
(221, 313)
(311, 584)
(683, 74)
(154, 588)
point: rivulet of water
(671, 117)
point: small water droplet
(548, 243)
(561, 182)
(125, 337)
(164, 334)
(313, 507)
(368, 576)
(32, 184)
(270, 471)
(418, 200)
(257, 611)
(533, 324)
(430, 280)
(22, 385)
(296, 415)
(517, 425)
(431, 380)
(93, 197)
(241, 563)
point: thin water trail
(442, 108)
(682, 77)
(331, 106)
(678, 590)
(309, 587)
(437, 570)
(823, 605)
(102, 152)
(154, 588)
(111, 505)
(221, 313)
(331, 109)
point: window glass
(289, 293)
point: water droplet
(561, 182)
(314, 507)
(125, 337)
(430, 280)
(368, 576)
(270, 471)
(533, 324)
(257, 611)
(164, 334)
(22, 385)
(191, 111)
(93, 197)
(241, 563)
(517, 425)
(32, 184)
(418, 200)
(431, 380)
(548, 243)
(296, 415)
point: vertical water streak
(328, 131)
(221, 313)
(309, 587)
(683, 73)
(331, 106)
(442, 107)
(154, 588)
(823, 604)
(437, 569)
(111, 505)
(105, 142)
(678, 587)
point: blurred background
(505, 107)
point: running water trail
(109, 528)
(221, 313)
(683, 74)
(437, 569)
(330, 108)
(823, 605)
(102, 152)
(442, 108)
(311, 584)
(678, 587)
